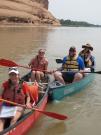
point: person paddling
(71, 66)
(39, 65)
(16, 91)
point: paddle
(96, 72)
(49, 114)
(9, 63)
(60, 61)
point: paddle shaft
(96, 72)
(9, 63)
(49, 114)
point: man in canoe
(13, 90)
(71, 67)
(89, 60)
(39, 65)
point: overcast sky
(77, 10)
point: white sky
(77, 10)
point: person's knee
(38, 72)
(78, 76)
(33, 72)
(56, 74)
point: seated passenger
(39, 65)
(16, 91)
(71, 67)
(89, 60)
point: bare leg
(39, 75)
(58, 77)
(17, 116)
(2, 122)
(33, 76)
(77, 77)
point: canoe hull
(59, 92)
(29, 119)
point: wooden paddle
(49, 114)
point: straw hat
(88, 46)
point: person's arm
(46, 66)
(27, 99)
(1, 91)
(31, 62)
(26, 92)
(93, 64)
(81, 63)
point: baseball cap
(13, 70)
(72, 48)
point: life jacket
(15, 94)
(38, 64)
(88, 63)
(71, 64)
(33, 91)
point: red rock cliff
(26, 11)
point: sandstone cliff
(26, 11)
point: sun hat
(88, 46)
(13, 70)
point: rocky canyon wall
(33, 12)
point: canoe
(57, 91)
(28, 119)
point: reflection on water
(84, 108)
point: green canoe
(58, 91)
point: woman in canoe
(16, 91)
(88, 58)
(39, 65)
(71, 66)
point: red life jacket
(16, 94)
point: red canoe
(25, 123)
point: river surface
(20, 44)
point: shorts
(68, 76)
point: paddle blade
(7, 63)
(59, 61)
(98, 72)
(53, 115)
(49, 114)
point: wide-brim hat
(88, 46)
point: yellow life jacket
(88, 63)
(71, 64)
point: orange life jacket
(33, 91)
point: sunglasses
(41, 52)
